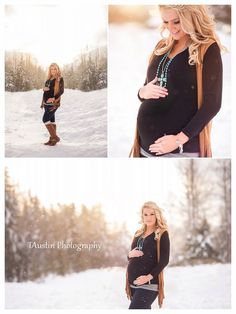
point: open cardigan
(161, 295)
(204, 135)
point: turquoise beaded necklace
(140, 243)
(163, 69)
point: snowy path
(198, 287)
(82, 125)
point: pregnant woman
(148, 256)
(54, 88)
(183, 87)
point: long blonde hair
(58, 77)
(160, 220)
(197, 23)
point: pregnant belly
(136, 269)
(151, 120)
(139, 267)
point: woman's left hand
(141, 280)
(168, 143)
(164, 145)
(52, 108)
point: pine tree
(200, 244)
(12, 238)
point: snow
(197, 287)
(81, 122)
(130, 46)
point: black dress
(179, 110)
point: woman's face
(149, 217)
(53, 70)
(172, 22)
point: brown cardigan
(161, 294)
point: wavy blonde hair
(58, 76)
(195, 21)
(160, 220)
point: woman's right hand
(152, 91)
(46, 89)
(135, 253)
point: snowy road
(198, 287)
(81, 120)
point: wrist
(149, 277)
(182, 138)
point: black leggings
(49, 114)
(142, 299)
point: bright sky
(121, 186)
(55, 33)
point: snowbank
(81, 119)
(197, 287)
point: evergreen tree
(22, 72)
(200, 244)
(12, 238)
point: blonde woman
(148, 256)
(54, 88)
(183, 87)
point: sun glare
(120, 187)
(55, 33)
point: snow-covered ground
(81, 122)
(130, 46)
(198, 287)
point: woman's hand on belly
(53, 108)
(168, 143)
(50, 100)
(141, 280)
(152, 91)
(135, 253)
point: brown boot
(55, 128)
(53, 136)
(50, 138)
(48, 142)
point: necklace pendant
(159, 79)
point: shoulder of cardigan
(159, 233)
(203, 48)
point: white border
(2, 138)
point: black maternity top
(147, 264)
(50, 93)
(179, 110)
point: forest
(87, 72)
(199, 224)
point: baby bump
(151, 120)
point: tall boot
(48, 142)
(55, 128)
(53, 136)
(58, 138)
